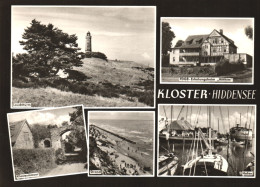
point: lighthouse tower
(88, 42)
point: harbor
(207, 140)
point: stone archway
(67, 147)
(47, 143)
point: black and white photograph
(207, 50)
(48, 143)
(98, 56)
(207, 141)
(121, 143)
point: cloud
(39, 117)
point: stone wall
(56, 137)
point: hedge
(34, 160)
(224, 67)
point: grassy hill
(116, 72)
(107, 84)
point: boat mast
(171, 114)
(240, 119)
(210, 151)
(218, 126)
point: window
(173, 59)
(26, 137)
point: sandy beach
(113, 156)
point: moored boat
(241, 134)
(168, 164)
(209, 163)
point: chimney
(221, 31)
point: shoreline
(126, 156)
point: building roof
(193, 41)
(181, 125)
(15, 129)
(228, 39)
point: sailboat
(209, 163)
(168, 163)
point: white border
(89, 107)
(219, 83)
(224, 177)
(152, 175)
(11, 149)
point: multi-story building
(207, 50)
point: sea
(238, 156)
(139, 131)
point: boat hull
(209, 165)
(168, 164)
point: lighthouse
(88, 42)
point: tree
(179, 43)
(77, 137)
(64, 123)
(49, 50)
(249, 32)
(167, 37)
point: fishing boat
(168, 164)
(208, 163)
(241, 134)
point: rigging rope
(180, 112)
(192, 154)
(165, 112)
(196, 156)
(203, 156)
(190, 113)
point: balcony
(190, 54)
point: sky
(233, 28)
(121, 115)
(232, 119)
(43, 117)
(121, 33)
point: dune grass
(52, 97)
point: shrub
(33, 160)
(224, 67)
(165, 60)
(76, 75)
(96, 55)
(147, 98)
(59, 156)
(21, 84)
